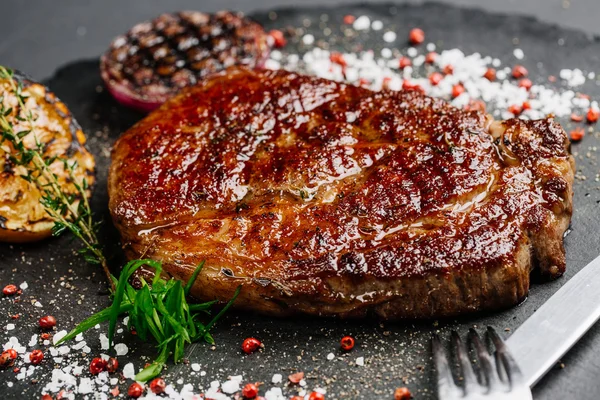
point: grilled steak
(324, 198)
(155, 59)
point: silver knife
(558, 324)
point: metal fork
(499, 379)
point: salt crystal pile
(505, 96)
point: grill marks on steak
(343, 200)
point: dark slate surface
(72, 290)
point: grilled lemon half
(22, 216)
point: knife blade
(558, 324)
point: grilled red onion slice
(156, 59)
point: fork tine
(484, 359)
(466, 369)
(510, 365)
(446, 386)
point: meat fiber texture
(323, 198)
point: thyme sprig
(160, 310)
(70, 212)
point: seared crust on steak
(324, 198)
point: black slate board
(71, 290)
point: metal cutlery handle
(558, 324)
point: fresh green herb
(160, 310)
(69, 212)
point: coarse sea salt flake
(230, 386)
(121, 349)
(274, 394)
(59, 335)
(518, 53)
(104, 342)
(196, 367)
(386, 53)
(79, 346)
(128, 371)
(389, 37)
(330, 356)
(85, 386)
(361, 23)
(24, 285)
(308, 39)
(360, 361)
(277, 378)
(10, 327)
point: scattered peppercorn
(515, 109)
(135, 390)
(430, 57)
(296, 378)
(338, 58)
(250, 391)
(577, 134)
(97, 365)
(416, 36)
(525, 83)
(46, 397)
(9, 290)
(278, 38)
(475, 105)
(297, 398)
(592, 115)
(250, 345)
(526, 106)
(402, 394)
(457, 90)
(404, 62)
(576, 117)
(112, 365)
(435, 78)
(12, 353)
(490, 74)
(519, 71)
(349, 19)
(47, 322)
(36, 357)
(347, 343)
(448, 70)
(45, 336)
(406, 85)
(5, 359)
(158, 385)
(316, 396)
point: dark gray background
(58, 32)
(39, 36)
